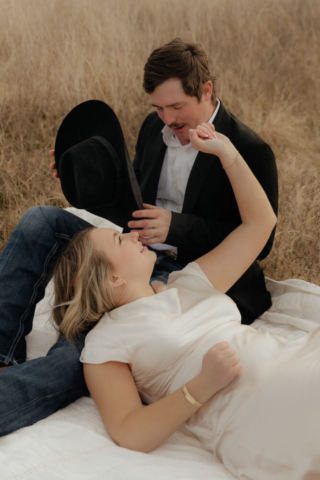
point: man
(197, 206)
(190, 206)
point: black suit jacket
(210, 211)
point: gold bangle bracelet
(234, 161)
(190, 398)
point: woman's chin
(153, 259)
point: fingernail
(190, 130)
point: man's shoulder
(149, 135)
(244, 138)
(244, 133)
(240, 134)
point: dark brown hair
(186, 61)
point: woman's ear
(116, 282)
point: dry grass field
(265, 53)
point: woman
(178, 347)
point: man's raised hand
(158, 221)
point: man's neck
(212, 110)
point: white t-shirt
(159, 334)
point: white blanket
(73, 444)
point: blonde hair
(81, 289)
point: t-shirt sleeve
(101, 345)
(191, 271)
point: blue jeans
(33, 390)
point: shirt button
(174, 181)
(177, 209)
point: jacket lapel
(204, 163)
(198, 174)
(152, 170)
(222, 120)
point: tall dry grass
(55, 54)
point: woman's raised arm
(225, 264)
(133, 426)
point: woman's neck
(131, 293)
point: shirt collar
(170, 138)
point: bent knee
(41, 212)
(38, 217)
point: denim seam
(28, 405)
(20, 330)
(4, 359)
(159, 258)
(64, 237)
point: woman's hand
(205, 139)
(220, 365)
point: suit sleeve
(194, 236)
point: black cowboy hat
(94, 165)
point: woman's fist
(220, 365)
(205, 139)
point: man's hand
(53, 166)
(158, 220)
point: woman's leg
(26, 265)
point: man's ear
(207, 90)
(116, 282)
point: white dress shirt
(177, 164)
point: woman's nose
(134, 236)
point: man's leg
(25, 268)
(38, 388)
(30, 391)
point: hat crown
(91, 176)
